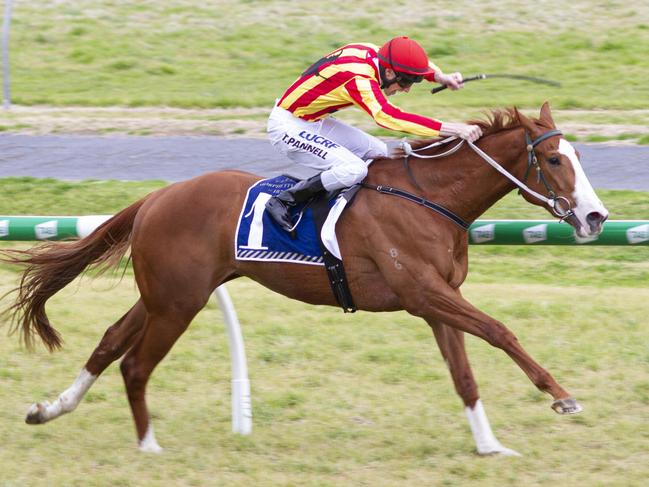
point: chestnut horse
(398, 256)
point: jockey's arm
(367, 95)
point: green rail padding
(551, 232)
(482, 232)
(29, 228)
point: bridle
(552, 200)
(556, 203)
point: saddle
(259, 238)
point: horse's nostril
(595, 218)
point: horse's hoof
(499, 450)
(148, 444)
(569, 405)
(36, 414)
(149, 447)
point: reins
(408, 151)
(532, 161)
(553, 201)
(420, 201)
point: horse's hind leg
(451, 344)
(117, 339)
(162, 329)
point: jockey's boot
(279, 206)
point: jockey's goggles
(406, 80)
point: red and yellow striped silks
(349, 76)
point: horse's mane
(495, 121)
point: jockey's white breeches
(340, 151)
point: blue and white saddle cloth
(259, 238)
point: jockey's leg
(278, 207)
(361, 144)
(323, 146)
(350, 161)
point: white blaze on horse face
(586, 201)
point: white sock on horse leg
(149, 443)
(68, 400)
(485, 440)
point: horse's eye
(554, 160)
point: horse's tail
(51, 266)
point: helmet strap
(383, 77)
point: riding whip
(532, 79)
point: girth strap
(445, 212)
(334, 266)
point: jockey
(300, 125)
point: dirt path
(250, 122)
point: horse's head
(554, 170)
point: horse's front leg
(451, 344)
(425, 293)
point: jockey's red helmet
(404, 55)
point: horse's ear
(525, 122)
(546, 115)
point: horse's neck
(479, 185)
(463, 182)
